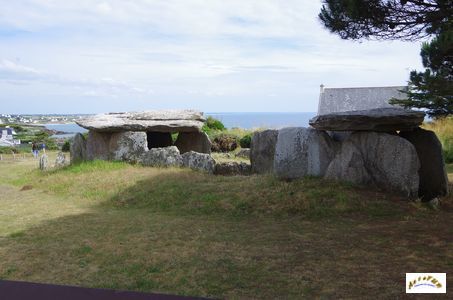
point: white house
(7, 137)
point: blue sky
(89, 56)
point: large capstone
(198, 161)
(127, 146)
(262, 151)
(347, 99)
(378, 159)
(302, 152)
(162, 157)
(98, 145)
(155, 121)
(78, 148)
(159, 139)
(193, 141)
(380, 119)
(432, 173)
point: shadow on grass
(215, 256)
(188, 233)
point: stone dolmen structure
(382, 146)
(146, 137)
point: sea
(245, 120)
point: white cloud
(189, 52)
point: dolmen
(146, 138)
(382, 147)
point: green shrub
(444, 131)
(66, 146)
(447, 145)
(43, 137)
(245, 141)
(8, 150)
(212, 125)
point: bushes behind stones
(225, 143)
(66, 146)
(246, 140)
(212, 125)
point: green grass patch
(444, 131)
(113, 225)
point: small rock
(244, 153)
(434, 203)
(161, 157)
(232, 168)
(198, 161)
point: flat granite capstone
(152, 120)
(379, 119)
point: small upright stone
(433, 175)
(262, 151)
(60, 161)
(43, 162)
(78, 149)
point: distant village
(32, 124)
(38, 119)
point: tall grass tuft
(444, 131)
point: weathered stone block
(198, 161)
(162, 157)
(432, 173)
(378, 159)
(302, 152)
(98, 145)
(128, 146)
(262, 151)
(232, 168)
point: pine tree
(407, 20)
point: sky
(89, 56)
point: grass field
(113, 225)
